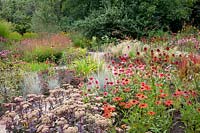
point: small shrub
(79, 40)
(15, 36)
(5, 29)
(30, 35)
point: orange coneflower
(163, 95)
(134, 102)
(141, 96)
(143, 105)
(168, 102)
(127, 105)
(107, 114)
(108, 108)
(145, 88)
(127, 90)
(159, 85)
(117, 99)
(122, 103)
(151, 113)
(158, 102)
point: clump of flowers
(63, 111)
(4, 54)
(146, 90)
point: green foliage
(71, 54)
(136, 18)
(157, 33)
(86, 66)
(195, 16)
(79, 40)
(19, 12)
(45, 19)
(188, 30)
(15, 36)
(114, 18)
(5, 29)
(192, 121)
(10, 80)
(30, 35)
(42, 54)
(36, 67)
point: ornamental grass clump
(44, 48)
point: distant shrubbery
(114, 18)
(15, 36)
(29, 35)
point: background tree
(114, 18)
(19, 12)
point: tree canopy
(101, 17)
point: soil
(177, 126)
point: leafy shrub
(30, 35)
(15, 36)
(5, 29)
(19, 13)
(135, 18)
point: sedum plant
(63, 111)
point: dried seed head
(71, 130)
